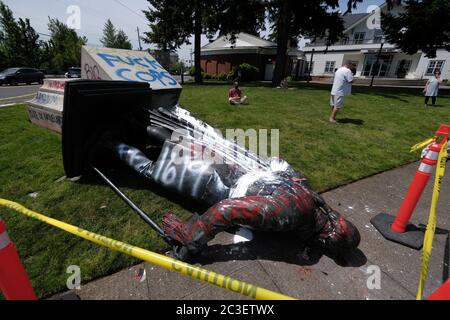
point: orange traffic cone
(14, 281)
(397, 228)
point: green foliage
(173, 22)
(122, 41)
(170, 23)
(233, 16)
(109, 35)
(222, 76)
(292, 19)
(64, 47)
(115, 39)
(245, 72)
(177, 68)
(425, 25)
(19, 42)
(20, 45)
(203, 73)
(207, 76)
(192, 71)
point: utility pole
(378, 60)
(139, 39)
(182, 72)
(310, 65)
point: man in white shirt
(342, 86)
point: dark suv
(14, 76)
(73, 73)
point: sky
(125, 14)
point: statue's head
(339, 235)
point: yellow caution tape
(431, 226)
(421, 145)
(155, 258)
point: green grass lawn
(379, 126)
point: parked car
(73, 73)
(14, 76)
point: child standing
(432, 88)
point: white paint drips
(244, 182)
(243, 235)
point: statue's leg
(259, 213)
(195, 179)
(133, 158)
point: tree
(115, 39)
(63, 50)
(291, 19)
(424, 25)
(172, 23)
(177, 67)
(109, 35)
(169, 25)
(122, 41)
(9, 36)
(19, 42)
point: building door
(403, 68)
(268, 75)
(377, 69)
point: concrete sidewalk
(277, 264)
(375, 85)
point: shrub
(223, 76)
(207, 76)
(248, 72)
(231, 76)
(204, 74)
(192, 71)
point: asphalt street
(22, 93)
(19, 94)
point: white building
(362, 44)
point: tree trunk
(283, 26)
(197, 44)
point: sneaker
(333, 121)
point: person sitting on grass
(235, 95)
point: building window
(403, 68)
(377, 66)
(378, 36)
(307, 69)
(329, 66)
(355, 63)
(358, 37)
(433, 66)
(344, 40)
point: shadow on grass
(435, 106)
(357, 122)
(281, 247)
(395, 93)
